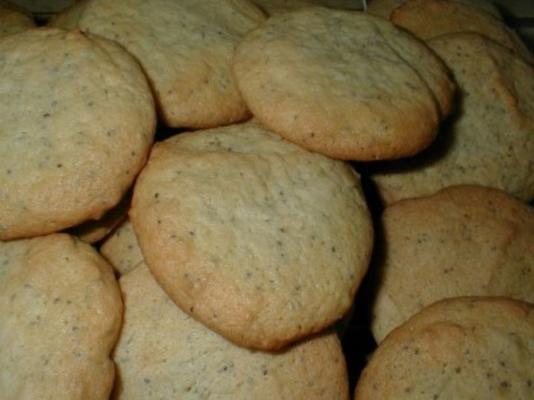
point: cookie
(164, 353)
(121, 248)
(13, 20)
(260, 240)
(462, 241)
(96, 230)
(384, 8)
(71, 105)
(185, 48)
(461, 348)
(344, 84)
(431, 18)
(488, 141)
(60, 316)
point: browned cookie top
(345, 84)
(489, 139)
(77, 123)
(185, 48)
(60, 315)
(461, 348)
(257, 238)
(462, 241)
(164, 353)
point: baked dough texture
(260, 240)
(432, 18)
(78, 120)
(489, 140)
(60, 316)
(462, 241)
(185, 48)
(96, 230)
(344, 84)
(164, 353)
(121, 248)
(461, 348)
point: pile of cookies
(182, 213)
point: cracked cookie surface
(344, 84)
(60, 316)
(78, 120)
(259, 239)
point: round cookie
(60, 316)
(462, 241)
(432, 18)
(13, 20)
(384, 8)
(187, 360)
(259, 239)
(121, 248)
(461, 348)
(71, 104)
(344, 84)
(489, 140)
(185, 48)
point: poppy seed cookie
(60, 315)
(344, 84)
(185, 48)
(71, 104)
(164, 353)
(489, 140)
(259, 239)
(462, 241)
(461, 348)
